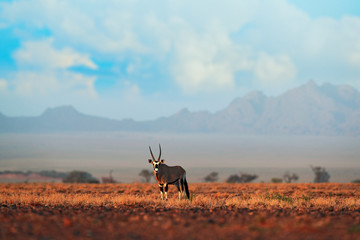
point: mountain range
(309, 109)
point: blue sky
(146, 59)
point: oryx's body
(166, 175)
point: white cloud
(43, 71)
(43, 55)
(27, 83)
(131, 93)
(350, 40)
(206, 61)
(51, 84)
(198, 65)
(354, 57)
(3, 85)
(274, 69)
(105, 27)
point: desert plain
(214, 211)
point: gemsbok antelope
(166, 175)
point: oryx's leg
(166, 191)
(182, 187)
(161, 191)
(177, 184)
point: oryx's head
(156, 163)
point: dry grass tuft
(209, 196)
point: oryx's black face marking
(156, 164)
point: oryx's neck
(157, 176)
(160, 174)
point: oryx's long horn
(152, 154)
(160, 153)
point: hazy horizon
(99, 152)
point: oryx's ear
(162, 161)
(150, 160)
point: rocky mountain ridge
(309, 109)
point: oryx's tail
(186, 188)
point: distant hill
(306, 110)
(62, 119)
